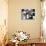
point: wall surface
(30, 26)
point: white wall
(32, 27)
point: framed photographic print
(27, 14)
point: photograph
(27, 14)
